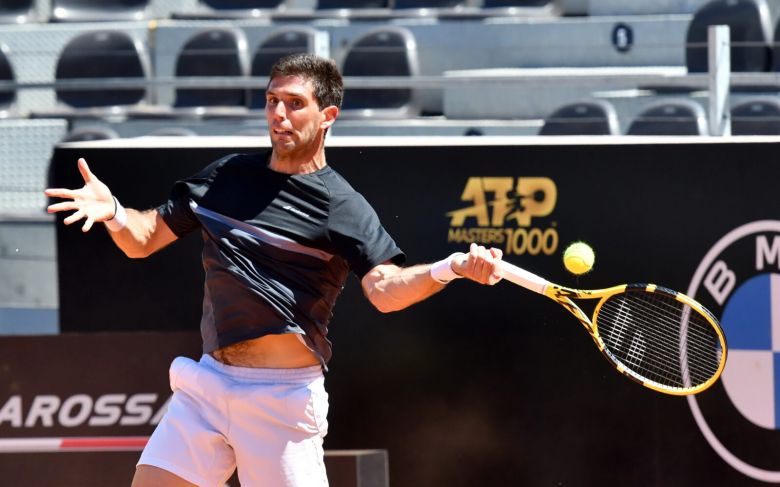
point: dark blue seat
(756, 117)
(89, 133)
(212, 53)
(285, 41)
(386, 52)
(17, 11)
(749, 21)
(8, 94)
(98, 10)
(98, 55)
(670, 117)
(587, 117)
(219, 5)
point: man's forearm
(393, 288)
(141, 235)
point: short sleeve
(357, 233)
(176, 212)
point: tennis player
(281, 232)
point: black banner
(496, 386)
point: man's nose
(280, 111)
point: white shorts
(269, 423)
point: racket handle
(523, 278)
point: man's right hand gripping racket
(658, 337)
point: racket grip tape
(523, 278)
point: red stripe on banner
(105, 443)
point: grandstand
(75, 70)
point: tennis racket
(658, 337)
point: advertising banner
(493, 385)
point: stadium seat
(174, 132)
(338, 9)
(515, 3)
(231, 9)
(280, 43)
(749, 21)
(670, 117)
(426, 4)
(217, 52)
(87, 133)
(17, 11)
(519, 7)
(456, 9)
(98, 10)
(386, 52)
(241, 4)
(756, 117)
(351, 4)
(776, 47)
(102, 54)
(7, 95)
(587, 117)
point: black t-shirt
(277, 247)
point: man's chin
(283, 146)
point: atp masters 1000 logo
(502, 212)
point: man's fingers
(74, 217)
(88, 224)
(84, 170)
(60, 193)
(64, 206)
(496, 253)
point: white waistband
(303, 374)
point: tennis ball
(578, 258)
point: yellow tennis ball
(578, 258)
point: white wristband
(119, 220)
(442, 272)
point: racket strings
(659, 338)
(668, 362)
(681, 318)
(671, 361)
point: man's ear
(329, 116)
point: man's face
(293, 115)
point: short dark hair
(323, 74)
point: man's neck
(296, 165)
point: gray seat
(97, 10)
(670, 117)
(756, 117)
(17, 11)
(587, 117)
(749, 21)
(280, 43)
(212, 53)
(99, 55)
(386, 52)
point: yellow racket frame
(564, 295)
